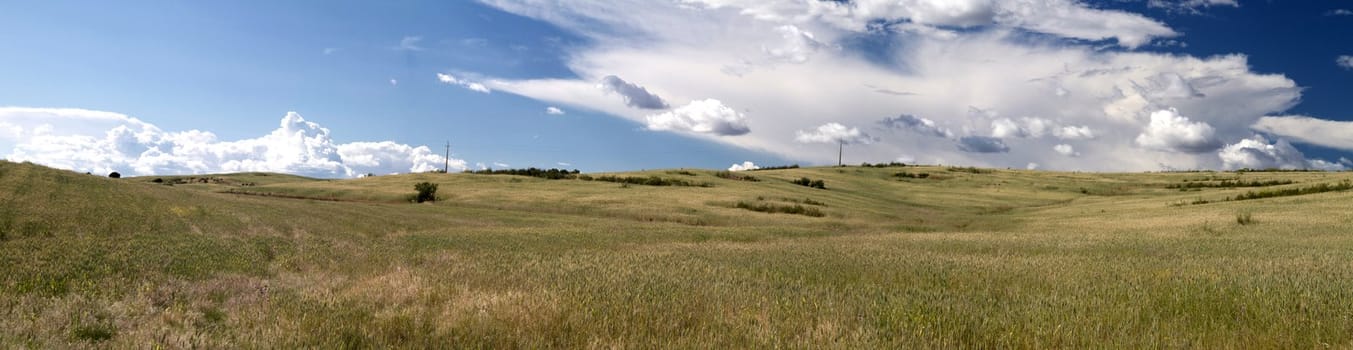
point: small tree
(115, 175)
(427, 192)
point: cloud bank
(990, 92)
(102, 142)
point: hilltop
(882, 257)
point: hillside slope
(962, 257)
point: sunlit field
(968, 258)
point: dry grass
(1008, 259)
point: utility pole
(446, 162)
(840, 151)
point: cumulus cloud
(982, 144)
(452, 80)
(1028, 127)
(746, 165)
(833, 133)
(1171, 132)
(1344, 61)
(965, 59)
(916, 124)
(635, 96)
(1327, 133)
(1066, 150)
(1190, 6)
(1257, 153)
(1065, 18)
(708, 116)
(552, 110)
(101, 142)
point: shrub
(549, 174)
(810, 183)
(908, 175)
(735, 176)
(1244, 219)
(157, 180)
(792, 166)
(651, 181)
(427, 192)
(971, 170)
(787, 209)
(115, 175)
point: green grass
(965, 259)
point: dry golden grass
(1008, 259)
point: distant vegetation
(115, 175)
(907, 175)
(1324, 187)
(1228, 184)
(819, 184)
(778, 208)
(971, 170)
(650, 181)
(551, 174)
(883, 165)
(780, 167)
(736, 176)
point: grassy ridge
(991, 258)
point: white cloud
(564, 164)
(452, 80)
(102, 142)
(1066, 150)
(746, 165)
(683, 52)
(394, 82)
(1065, 18)
(1031, 166)
(1028, 127)
(1344, 61)
(1327, 133)
(330, 50)
(552, 110)
(708, 116)
(410, 43)
(1171, 132)
(833, 133)
(1257, 153)
(635, 96)
(501, 165)
(1339, 12)
(1190, 6)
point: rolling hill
(883, 257)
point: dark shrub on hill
(735, 176)
(792, 166)
(427, 192)
(115, 175)
(550, 174)
(810, 183)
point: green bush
(787, 209)
(819, 184)
(427, 192)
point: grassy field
(964, 258)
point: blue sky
(1129, 85)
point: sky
(348, 88)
